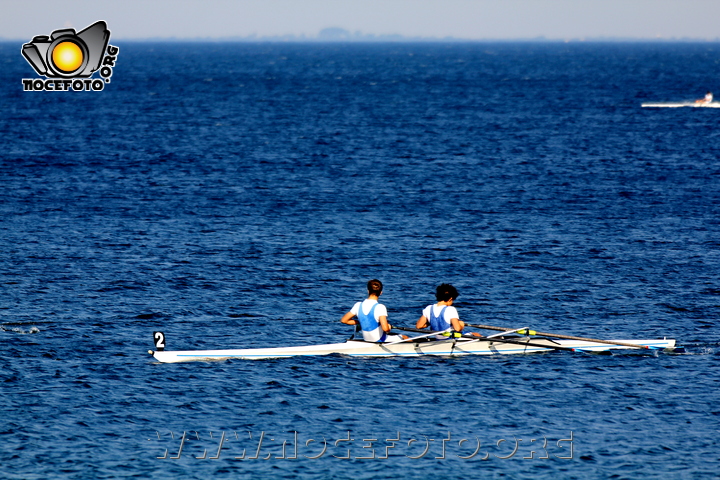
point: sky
(462, 19)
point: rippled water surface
(240, 195)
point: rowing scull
(681, 104)
(420, 347)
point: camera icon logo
(67, 54)
(68, 59)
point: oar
(491, 339)
(525, 344)
(407, 329)
(566, 337)
(497, 335)
(413, 338)
(507, 331)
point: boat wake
(19, 330)
(697, 349)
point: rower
(708, 98)
(443, 317)
(371, 316)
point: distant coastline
(341, 35)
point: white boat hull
(681, 104)
(359, 348)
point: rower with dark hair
(443, 317)
(708, 98)
(371, 316)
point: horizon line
(397, 38)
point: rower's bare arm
(384, 324)
(457, 324)
(422, 322)
(349, 319)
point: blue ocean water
(240, 195)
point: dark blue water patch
(235, 195)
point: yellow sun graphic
(67, 56)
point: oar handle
(566, 337)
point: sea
(241, 195)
